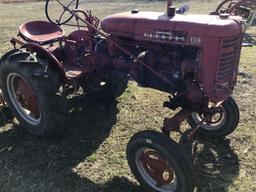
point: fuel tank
(181, 29)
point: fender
(6, 55)
(33, 47)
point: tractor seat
(40, 32)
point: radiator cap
(134, 11)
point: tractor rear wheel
(223, 123)
(106, 85)
(31, 89)
(159, 164)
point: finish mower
(244, 8)
(194, 58)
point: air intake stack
(169, 3)
(170, 9)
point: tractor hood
(157, 26)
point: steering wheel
(225, 6)
(55, 7)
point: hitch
(6, 115)
(174, 123)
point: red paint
(192, 57)
(156, 166)
(41, 32)
(27, 97)
(211, 30)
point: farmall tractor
(194, 58)
(244, 8)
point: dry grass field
(90, 155)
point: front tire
(158, 163)
(32, 93)
(225, 125)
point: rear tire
(227, 124)
(47, 116)
(176, 172)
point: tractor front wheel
(31, 90)
(158, 163)
(221, 124)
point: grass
(90, 156)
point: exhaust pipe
(169, 3)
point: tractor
(194, 58)
(244, 8)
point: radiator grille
(228, 63)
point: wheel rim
(156, 170)
(215, 122)
(23, 98)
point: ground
(90, 155)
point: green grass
(90, 156)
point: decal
(178, 36)
(195, 40)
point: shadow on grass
(31, 164)
(216, 164)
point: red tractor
(192, 57)
(244, 8)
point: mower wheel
(31, 89)
(158, 163)
(222, 124)
(106, 86)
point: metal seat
(41, 32)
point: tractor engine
(197, 54)
(176, 64)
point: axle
(174, 123)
